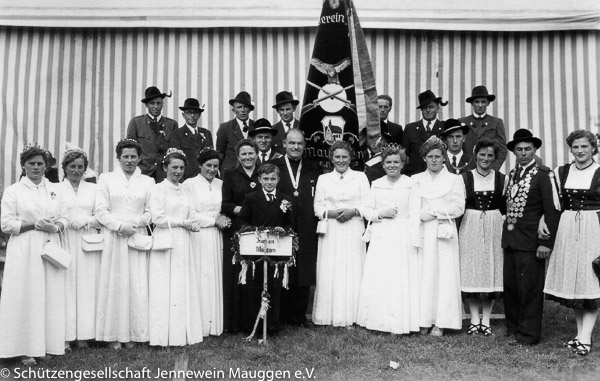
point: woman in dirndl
(32, 306)
(570, 279)
(82, 275)
(339, 197)
(481, 254)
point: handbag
(322, 225)
(55, 254)
(163, 241)
(366, 236)
(596, 267)
(446, 229)
(139, 241)
(92, 242)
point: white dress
(174, 291)
(439, 270)
(84, 269)
(389, 295)
(32, 305)
(208, 250)
(122, 307)
(341, 251)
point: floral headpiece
(174, 150)
(72, 154)
(31, 146)
(434, 139)
(127, 140)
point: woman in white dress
(122, 209)
(82, 275)
(339, 196)
(442, 200)
(389, 295)
(481, 254)
(175, 308)
(570, 279)
(32, 306)
(206, 194)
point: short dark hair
(385, 97)
(33, 150)
(267, 168)
(431, 144)
(245, 142)
(578, 134)
(208, 154)
(341, 144)
(128, 143)
(486, 143)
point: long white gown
(439, 267)
(84, 269)
(32, 305)
(341, 251)
(208, 250)
(174, 291)
(389, 295)
(122, 307)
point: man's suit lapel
(437, 127)
(237, 132)
(189, 137)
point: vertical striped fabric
(83, 85)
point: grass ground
(340, 354)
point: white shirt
(458, 156)
(477, 116)
(241, 124)
(158, 118)
(267, 155)
(192, 129)
(285, 127)
(431, 125)
(268, 193)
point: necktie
(288, 125)
(454, 161)
(264, 158)
(271, 197)
(519, 174)
(245, 129)
(428, 126)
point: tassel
(286, 277)
(276, 272)
(555, 191)
(253, 269)
(242, 276)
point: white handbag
(55, 254)
(139, 241)
(163, 241)
(92, 242)
(446, 228)
(322, 225)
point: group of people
(398, 252)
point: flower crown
(174, 150)
(32, 145)
(72, 154)
(127, 140)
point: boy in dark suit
(265, 207)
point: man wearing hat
(394, 130)
(453, 134)
(231, 132)
(417, 133)
(262, 132)
(153, 132)
(482, 125)
(285, 105)
(190, 138)
(528, 199)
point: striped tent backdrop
(83, 85)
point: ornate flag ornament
(340, 100)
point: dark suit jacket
(273, 155)
(539, 203)
(465, 164)
(278, 139)
(490, 128)
(374, 167)
(257, 211)
(153, 146)
(236, 185)
(191, 145)
(414, 137)
(228, 134)
(305, 222)
(395, 130)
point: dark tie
(519, 174)
(429, 126)
(264, 158)
(454, 161)
(271, 197)
(288, 125)
(245, 129)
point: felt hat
(243, 98)
(480, 92)
(427, 97)
(261, 126)
(191, 104)
(153, 92)
(523, 135)
(453, 125)
(284, 97)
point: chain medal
(517, 197)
